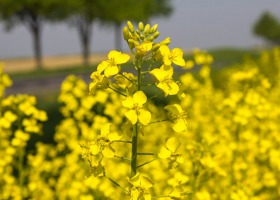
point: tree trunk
(118, 36)
(84, 26)
(85, 49)
(36, 36)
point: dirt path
(51, 62)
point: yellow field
(50, 62)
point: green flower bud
(147, 28)
(155, 47)
(166, 41)
(141, 26)
(154, 28)
(130, 26)
(156, 34)
(125, 33)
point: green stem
(123, 158)
(115, 183)
(128, 79)
(136, 126)
(123, 141)
(134, 150)
(164, 120)
(145, 154)
(116, 91)
(146, 163)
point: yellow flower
(175, 56)
(103, 142)
(165, 81)
(140, 187)
(111, 66)
(178, 117)
(143, 48)
(169, 151)
(137, 112)
(98, 81)
(126, 81)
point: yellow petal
(177, 57)
(173, 144)
(175, 109)
(146, 182)
(180, 126)
(164, 50)
(131, 116)
(166, 61)
(95, 149)
(108, 152)
(139, 98)
(158, 74)
(173, 88)
(144, 116)
(102, 66)
(128, 102)
(118, 57)
(114, 136)
(105, 130)
(135, 180)
(180, 159)
(164, 153)
(110, 71)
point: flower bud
(141, 26)
(154, 28)
(130, 26)
(155, 47)
(147, 28)
(156, 34)
(166, 41)
(125, 33)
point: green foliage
(268, 27)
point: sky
(201, 24)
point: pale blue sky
(194, 23)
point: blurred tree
(268, 27)
(118, 11)
(82, 14)
(30, 13)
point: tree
(30, 13)
(118, 11)
(268, 27)
(82, 14)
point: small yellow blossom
(137, 112)
(175, 56)
(103, 142)
(165, 81)
(98, 81)
(111, 66)
(140, 187)
(178, 117)
(169, 151)
(143, 48)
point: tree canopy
(32, 14)
(268, 27)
